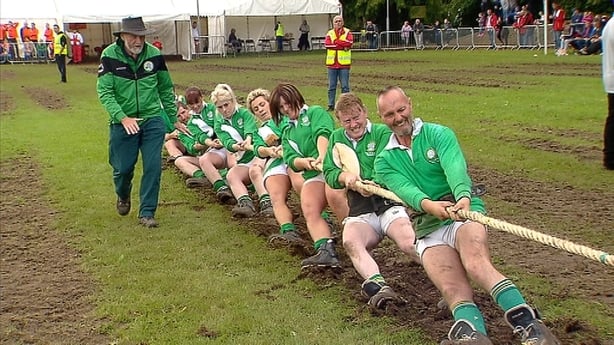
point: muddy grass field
(46, 295)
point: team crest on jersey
(210, 115)
(148, 66)
(240, 123)
(431, 155)
(370, 149)
(305, 121)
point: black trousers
(60, 59)
(608, 135)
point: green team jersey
(433, 167)
(300, 138)
(366, 148)
(208, 114)
(267, 128)
(200, 130)
(235, 129)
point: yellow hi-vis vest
(57, 45)
(280, 30)
(344, 57)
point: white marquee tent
(253, 19)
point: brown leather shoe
(123, 206)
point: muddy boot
(288, 237)
(224, 195)
(378, 295)
(462, 332)
(526, 323)
(325, 257)
(244, 209)
(197, 182)
(266, 207)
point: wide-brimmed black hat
(134, 26)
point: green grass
(201, 272)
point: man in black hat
(133, 81)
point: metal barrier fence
(530, 37)
(29, 52)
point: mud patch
(46, 297)
(7, 103)
(47, 98)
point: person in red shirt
(49, 40)
(33, 33)
(558, 25)
(338, 42)
(157, 43)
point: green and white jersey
(234, 130)
(373, 141)
(200, 132)
(208, 113)
(299, 139)
(259, 140)
(433, 167)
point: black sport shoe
(123, 206)
(378, 295)
(325, 257)
(224, 195)
(285, 239)
(330, 108)
(197, 182)
(463, 332)
(244, 209)
(148, 222)
(266, 207)
(532, 331)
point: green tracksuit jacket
(134, 88)
(236, 129)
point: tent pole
(545, 27)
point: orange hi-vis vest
(344, 57)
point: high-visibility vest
(344, 57)
(57, 45)
(280, 30)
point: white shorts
(380, 224)
(220, 152)
(248, 164)
(317, 178)
(281, 169)
(446, 235)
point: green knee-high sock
(507, 295)
(287, 227)
(317, 244)
(219, 184)
(198, 174)
(377, 278)
(325, 215)
(264, 197)
(244, 197)
(470, 312)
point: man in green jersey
(371, 217)
(424, 165)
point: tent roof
(267, 7)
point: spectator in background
(608, 82)
(11, 34)
(157, 43)
(279, 36)
(234, 41)
(76, 43)
(24, 32)
(437, 33)
(33, 33)
(29, 50)
(406, 33)
(576, 25)
(491, 27)
(6, 51)
(593, 44)
(338, 43)
(558, 25)
(371, 34)
(419, 33)
(303, 41)
(196, 37)
(49, 40)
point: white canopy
(171, 18)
